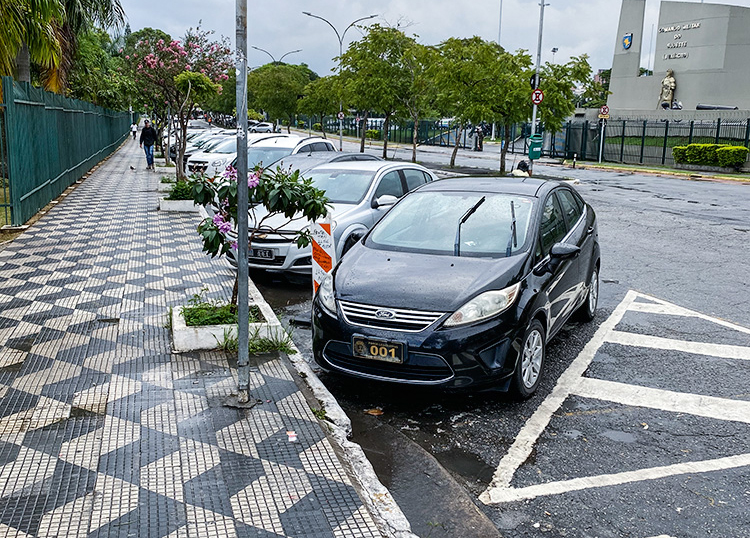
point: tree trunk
(23, 64)
(504, 148)
(323, 126)
(414, 135)
(386, 128)
(180, 164)
(363, 133)
(455, 148)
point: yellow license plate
(378, 350)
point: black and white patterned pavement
(104, 431)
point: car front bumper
(476, 356)
(279, 256)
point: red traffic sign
(604, 110)
(341, 115)
(537, 96)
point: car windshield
(256, 155)
(428, 222)
(342, 186)
(210, 146)
(226, 146)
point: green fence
(47, 142)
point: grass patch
(280, 341)
(168, 179)
(202, 311)
(181, 190)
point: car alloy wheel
(530, 361)
(588, 308)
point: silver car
(360, 193)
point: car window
(414, 178)
(342, 186)
(307, 148)
(390, 184)
(552, 228)
(570, 208)
(320, 146)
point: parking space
(657, 401)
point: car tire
(587, 311)
(530, 364)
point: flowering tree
(181, 74)
(272, 193)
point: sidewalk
(105, 432)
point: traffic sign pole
(538, 65)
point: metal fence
(50, 142)
(648, 142)
(5, 205)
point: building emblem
(627, 40)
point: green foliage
(679, 154)
(279, 341)
(702, 154)
(321, 97)
(202, 311)
(320, 413)
(276, 89)
(558, 82)
(181, 190)
(196, 86)
(373, 134)
(167, 179)
(732, 156)
(317, 127)
(301, 124)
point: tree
(27, 34)
(179, 76)
(275, 193)
(420, 96)
(276, 87)
(465, 77)
(596, 90)
(559, 82)
(375, 77)
(321, 97)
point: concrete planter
(183, 206)
(164, 187)
(186, 338)
(703, 168)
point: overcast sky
(573, 26)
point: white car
(216, 159)
(269, 151)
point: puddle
(620, 437)
(467, 465)
(109, 320)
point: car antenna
(464, 218)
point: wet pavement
(103, 430)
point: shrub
(732, 156)
(373, 134)
(181, 191)
(301, 124)
(704, 154)
(678, 152)
(317, 127)
(168, 179)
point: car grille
(436, 372)
(401, 320)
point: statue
(668, 85)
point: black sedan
(462, 284)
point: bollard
(575, 156)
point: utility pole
(538, 67)
(243, 306)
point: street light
(271, 55)
(340, 37)
(554, 51)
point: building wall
(706, 45)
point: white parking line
(724, 351)
(500, 495)
(572, 382)
(664, 400)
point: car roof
(373, 166)
(287, 142)
(527, 186)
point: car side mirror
(384, 201)
(564, 251)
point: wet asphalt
(684, 242)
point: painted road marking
(572, 382)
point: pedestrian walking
(134, 129)
(148, 138)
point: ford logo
(385, 314)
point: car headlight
(483, 306)
(325, 294)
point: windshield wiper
(513, 241)
(464, 218)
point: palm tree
(27, 34)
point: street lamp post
(340, 37)
(282, 56)
(554, 51)
(538, 67)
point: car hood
(279, 222)
(409, 280)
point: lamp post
(282, 56)
(538, 67)
(340, 37)
(554, 51)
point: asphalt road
(653, 439)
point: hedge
(373, 134)
(710, 155)
(732, 156)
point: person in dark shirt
(148, 138)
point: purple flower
(230, 173)
(218, 219)
(233, 245)
(225, 227)
(253, 180)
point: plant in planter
(273, 193)
(180, 191)
(168, 179)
